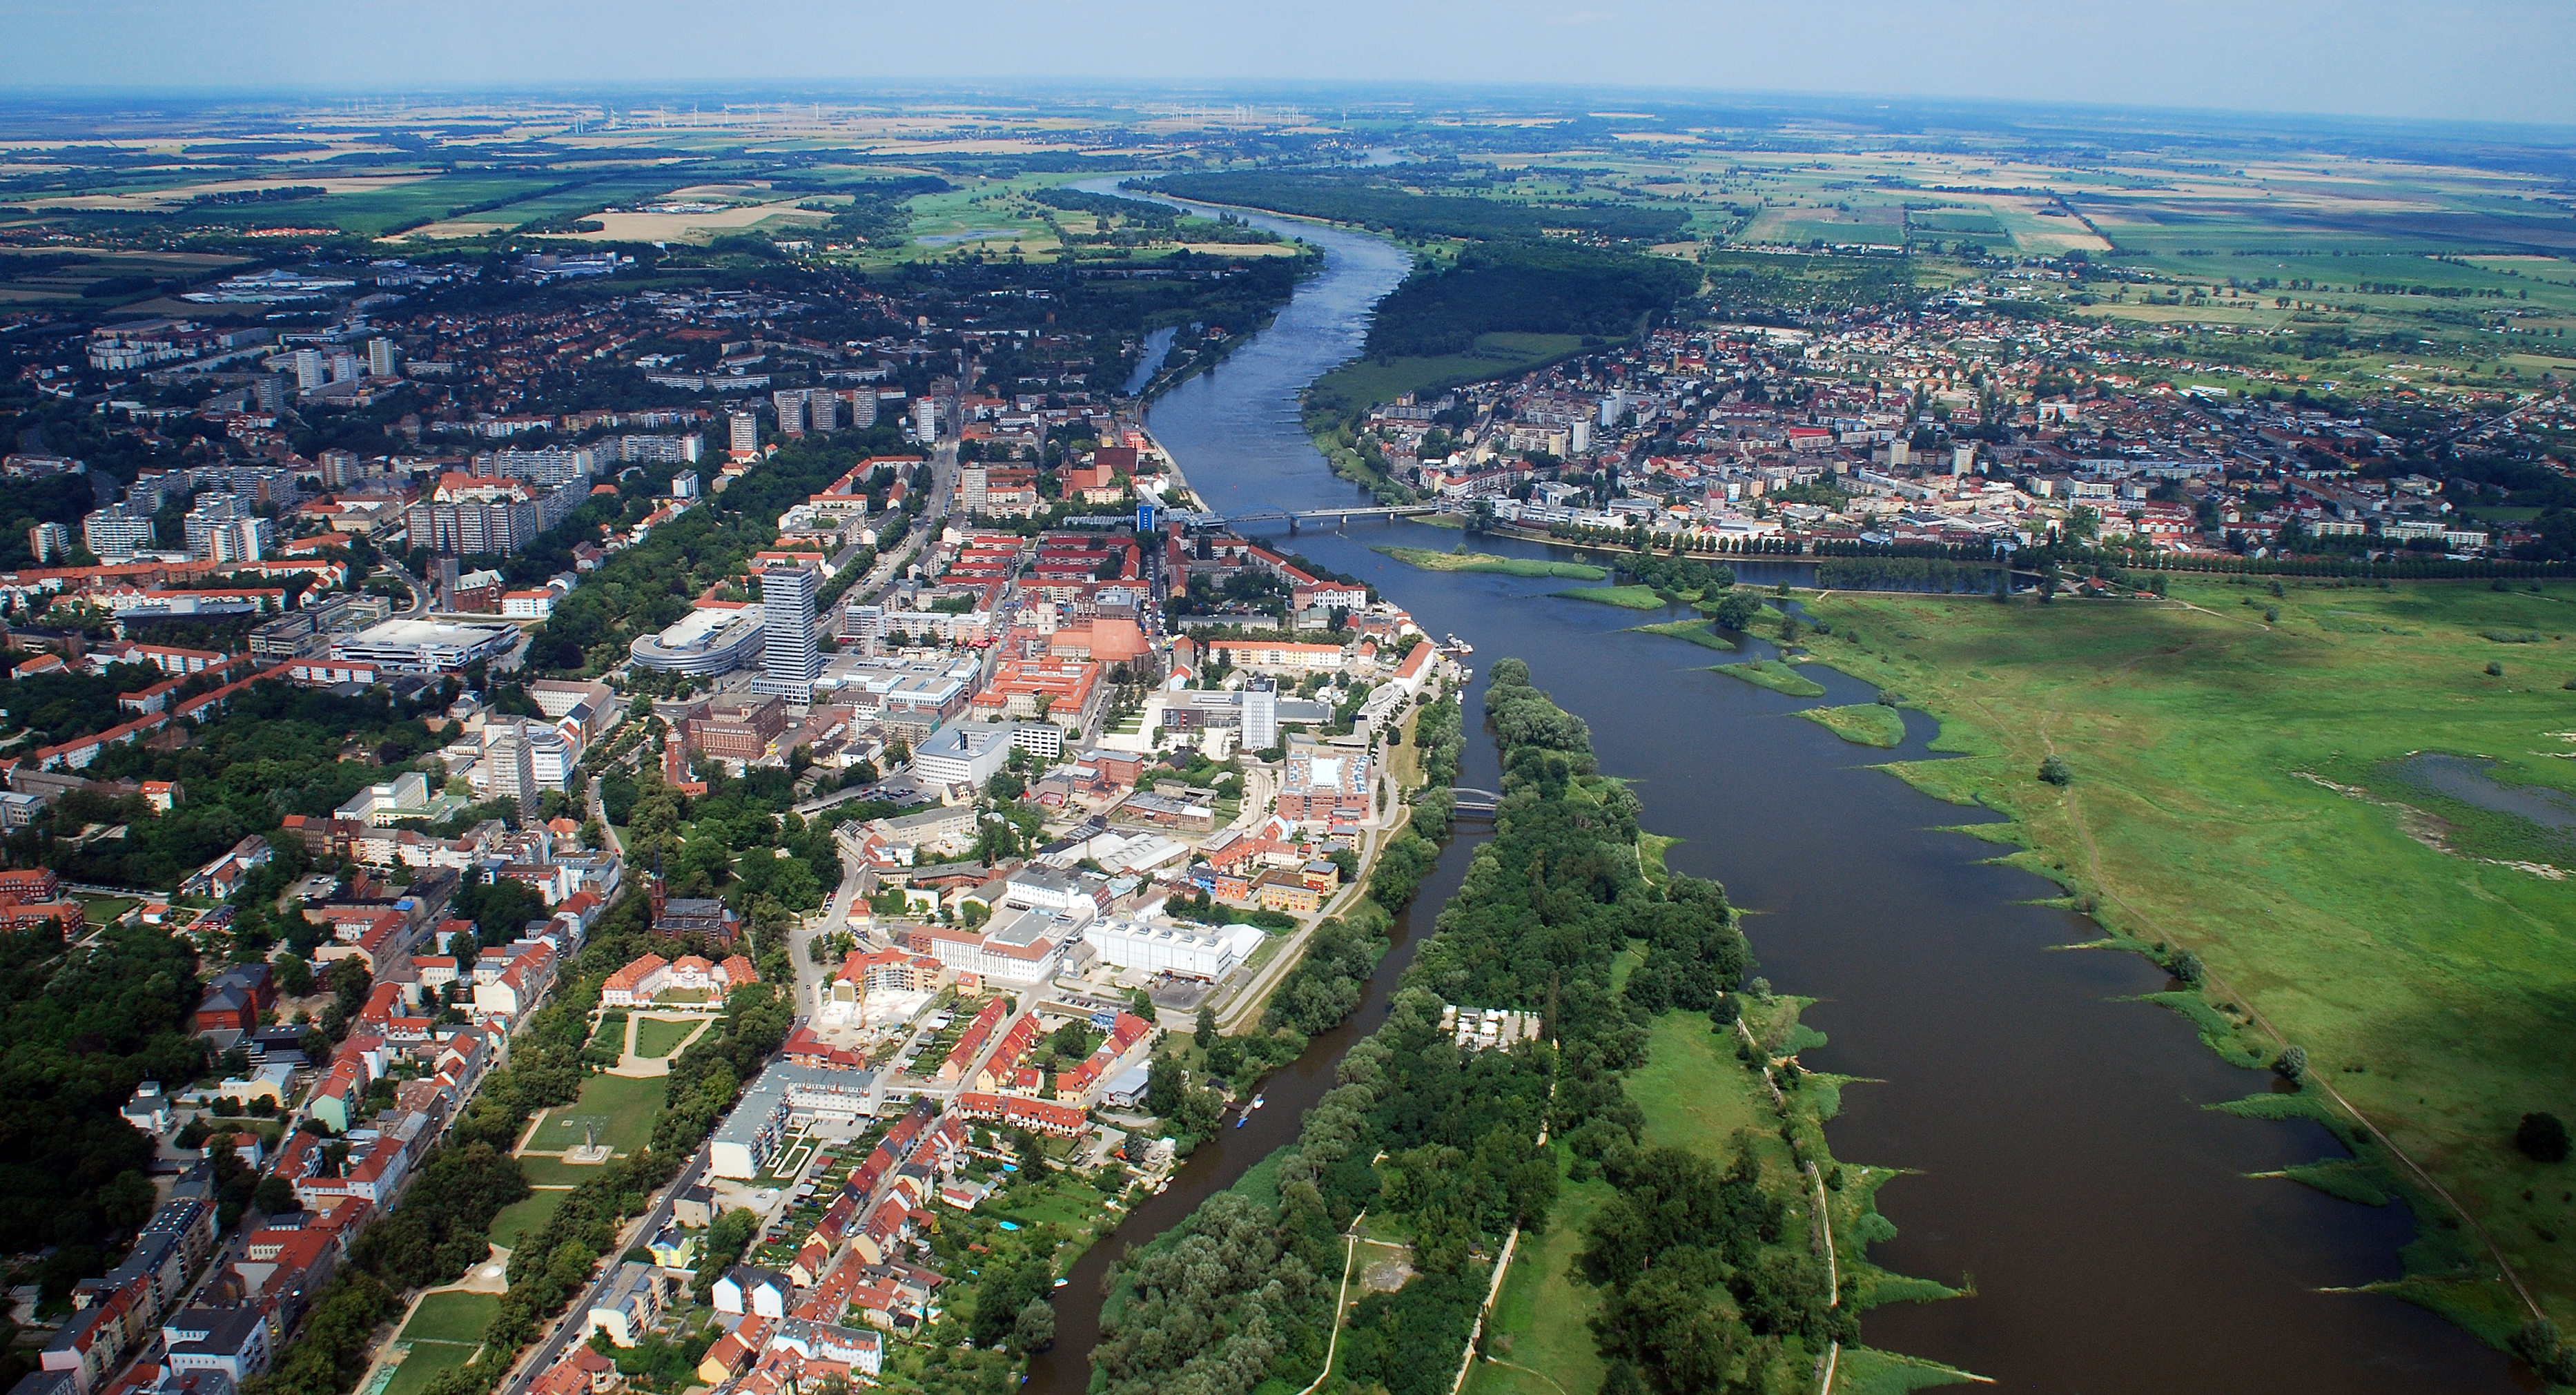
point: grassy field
(656, 1038)
(630, 1104)
(1365, 382)
(452, 1317)
(1862, 724)
(555, 1172)
(426, 1363)
(1541, 1320)
(1698, 1096)
(1700, 632)
(1431, 561)
(1624, 597)
(523, 1218)
(2254, 792)
(1775, 675)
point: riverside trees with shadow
(1429, 1138)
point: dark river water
(2058, 1155)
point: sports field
(2356, 815)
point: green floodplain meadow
(1426, 559)
(2355, 806)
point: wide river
(2058, 1152)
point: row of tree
(1437, 1139)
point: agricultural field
(2356, 807)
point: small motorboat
(1260, 1100)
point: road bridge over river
(1299, 517)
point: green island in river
(1464, 561)
(1699, 632)
(1775, 675)
(1862, 723)
(1649, 1155)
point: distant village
(1879, 434)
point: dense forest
(1529, 288)
(1379, 202)
(1244, 1291)
(79, 1029)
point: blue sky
(2503, 60)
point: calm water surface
(2058, 1154)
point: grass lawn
(1431, 561)
(452, 1317)
(2250, 791)
(1624, 597)
(104, 910)
(1700, 632)
(1542, 1320)
(1775, 675)
(524, 1218)
(1862, 723)
(426, 1363)
(629, 1104)
(555, 1172)
(656, 1038)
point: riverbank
(2244, 800)
(1456, 1152)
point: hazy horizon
(2368, 59)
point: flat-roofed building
(705, 642)
(424, 646)
(1196, 951)
(964, 753)
(1021, 947)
